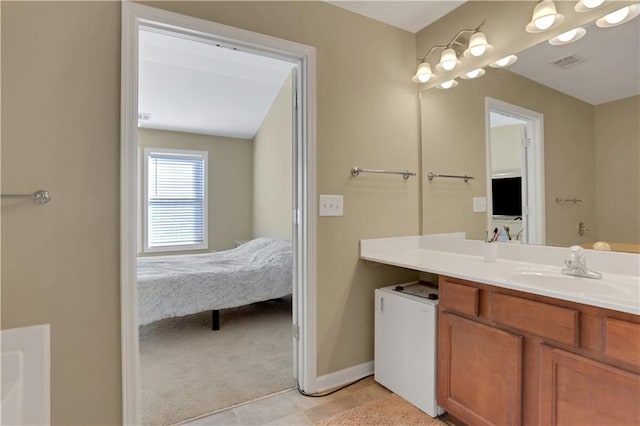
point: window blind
(176, 197)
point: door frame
(535, 192)
(135, 16)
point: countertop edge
(390, 258)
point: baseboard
(343, 377)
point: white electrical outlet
(331, 205)
(479, 204)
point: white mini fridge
(405, 343)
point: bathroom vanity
(508, 357)
(520, 343)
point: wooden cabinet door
(479, 372)
(575, 390)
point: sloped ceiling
(197, 87)
(407, 15)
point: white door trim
(133, 16)
(535, 165)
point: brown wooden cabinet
(478, 355)
(579, 391)
(509, 358)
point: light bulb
(478, 50)
(507, 60)
(545, 16)
(588, 5)
(478, 72)
(504, 61)
(544, 22)
(448, 65)
(474, 73)
(448, 60)
(592, 4)
(617, 16)
(565, 37)
(447, 84)
(424, 73)
(478, 44)
(620, 16)
(568, 37)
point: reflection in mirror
(515, 174)
(507, 176)
(591, 140)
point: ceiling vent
(568, 62)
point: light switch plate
(479, 204)
(331, 205)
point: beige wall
(617, 170)
(229, 183)
(60, 131)
(453, 134)
(272, 169)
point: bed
(172, 286)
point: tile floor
(292, 408)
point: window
(175, 200)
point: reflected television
(506, 193)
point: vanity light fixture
(587, 5)
(423, 74)
(478, 45)
(474, 46)
(448, 60)
(568, 37)
(545, 16)
(619, 17)
(447, 84)
(504, 62)
(478, 72)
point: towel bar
(432, 175)
(405, 174)
(40, 197)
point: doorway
(302, 59)
(515, 172)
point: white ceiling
(198, 87)
(610, 71)
(407, 15)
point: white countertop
(453, 256)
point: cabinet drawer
(459, 298)
(544, 320)
(622, 341)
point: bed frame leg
(215, 319)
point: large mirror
(588, 95)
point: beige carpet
(389, 410)
(189, 370)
